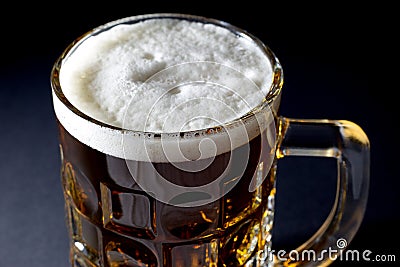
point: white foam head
(161, 75)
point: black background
(328, 59)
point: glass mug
(116, 219)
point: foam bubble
(160, 75)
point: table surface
(325, 77)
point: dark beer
(115, 223)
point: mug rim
(273, 92)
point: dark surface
(327, 59)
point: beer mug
(197, 197)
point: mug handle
(347, 142)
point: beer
(114, 223)
(118, 211)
